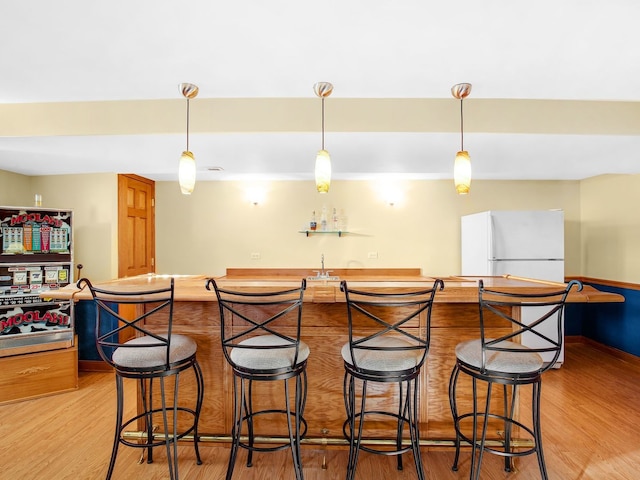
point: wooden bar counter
(454, 319)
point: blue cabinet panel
(614, 324)
(85, 312)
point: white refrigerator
(525, 243)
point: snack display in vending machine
(36, 257)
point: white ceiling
(122, 50)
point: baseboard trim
(93, 366)
(622, 355)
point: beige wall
(15, 189)
(93, 199)
(610, 206)
(218, 227)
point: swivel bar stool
(389, 335)
(153, 355)
(260, 331)
(504, 361)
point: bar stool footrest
(275, 448)
(513, 444)
(397, 451)
(161, 436)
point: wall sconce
(323, 160)
(389, 191)
(462, 163)
(256, 194)
(187, 165)
(393, 196)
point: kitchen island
(454, 319)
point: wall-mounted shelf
(325, 232)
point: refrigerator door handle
(491, 229)
(526, 259)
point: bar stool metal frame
(504, 361)
(148, 357)
(382, 348)
(257, 349)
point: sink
(317, 278)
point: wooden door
(136, 225)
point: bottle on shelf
(323, 219)
(334, 219)
(342, 220)
(312, 224)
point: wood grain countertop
(457, 289)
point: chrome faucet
(322, 273)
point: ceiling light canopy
(462, 163)
(187, 165)
(323, 160)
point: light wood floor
(591, 417)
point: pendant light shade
(323, 160)
(187, 165)
(187, 172)
(462, 163)
(462, 172)
(323, 171)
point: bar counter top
(458, 289)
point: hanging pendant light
(323, 160)
(462, 163)
(187, 165)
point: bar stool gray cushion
(470, 352)
(268, 358)
(140, 355)
(384, 361)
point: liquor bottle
(312, 224)
(323, 219)
(335, 221)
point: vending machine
(36, 258)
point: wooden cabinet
(34, 375)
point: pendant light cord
(322, 123)
(461, 128)
(187, 124)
